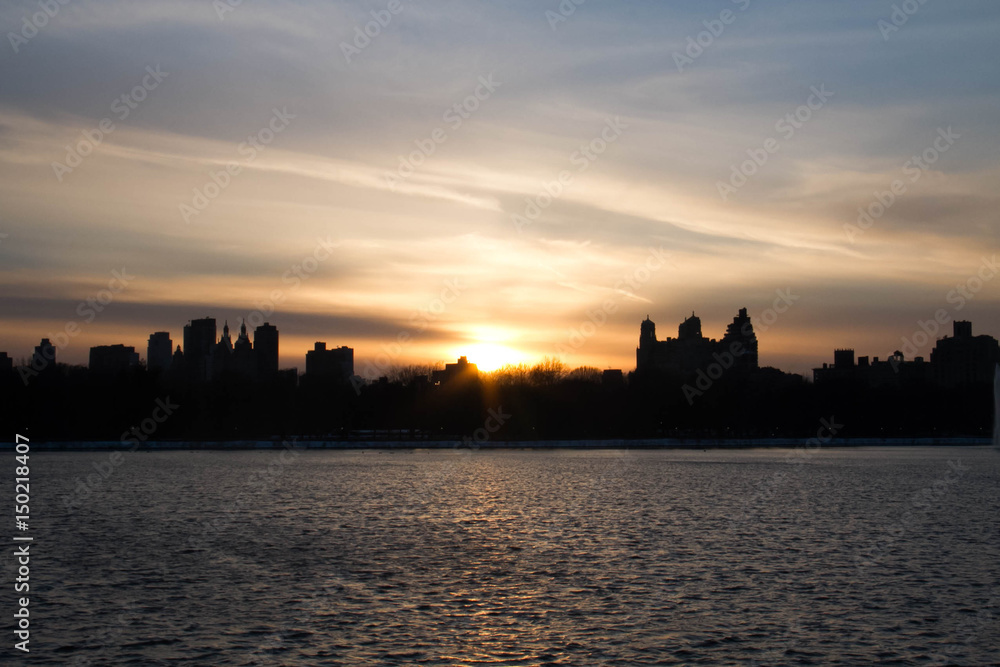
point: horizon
(493, 358)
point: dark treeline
(516, 403)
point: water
(515, 558)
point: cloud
(325, 176)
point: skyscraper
(965, 359)
(265, 347)
(199, 339)
(242, 360)
(159, 351)
(222, 354)
(740, 331)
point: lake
(513, 557)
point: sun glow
(491, 356)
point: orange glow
(493, 348)
(490, 356)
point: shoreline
(642, 443)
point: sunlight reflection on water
(518, 557)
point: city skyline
(688, 385)
(686, 353)
(440, 176)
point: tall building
(159, 351)
(112, 359)
(199, 339)
(222, 353)
(226, 341)
(177, 362)
(6, 363)
(242, 361)
(335, 363)
(44, 358)
(740, 331)
(843, 359)
(265, 347)
(691, 351)
(964, 359)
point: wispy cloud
(325, 176)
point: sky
(504, 180)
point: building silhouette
(205, 358)
(226, 342)
(337, 363)
(265, 348)
(612, 377)
(159, 351)
(222, 354)
(44, 357)
(692, 351)
(199, 341)
(740, 331)
(112, 359)
(6, 363)
(177, 362)
(964, 359)
(462, 369)
(242, 361)
(873, 372)
(960, 360)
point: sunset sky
(403, 183)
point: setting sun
(490, 356)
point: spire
(243, 328)
(225, 329)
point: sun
(491, 356)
